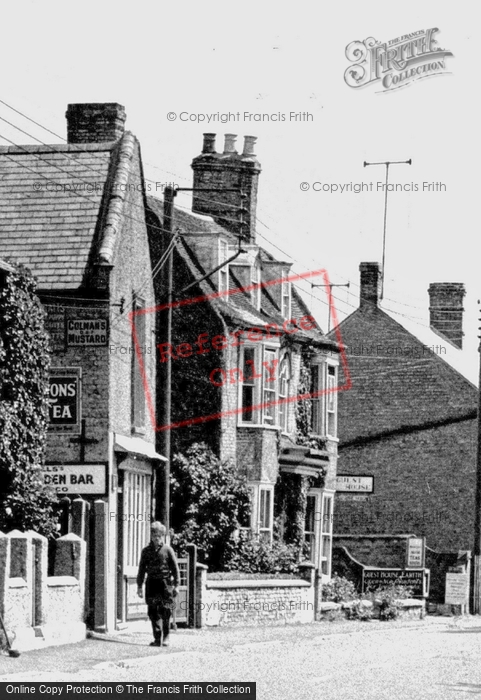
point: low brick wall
(254, 602)
(38, 609)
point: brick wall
(257, 602)
(380, 551)
(424, 483)
(409, 420)
(131, 273)
(257, 453)
(94, 362)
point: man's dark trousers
(160, 604)
(160, 619)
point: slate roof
(235, 308)
(404, 377)
(52, 199)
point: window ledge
(258, 425)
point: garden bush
(339, 590)
(254, 555)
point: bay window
(259, 385)
(326, 534)
(266, 502)
(284, 389)
(324, 399)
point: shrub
(25, 503)
(358, 611)
(339, 590)
(254, 555)
(209, 499)
(386, 597)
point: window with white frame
(324, 403)
(266, 503)
(256, 280)
(331, 402)
(310, 526)
(326, 533)
(248, 386)
(285, 295)
(137, 385)
(269, 386)
(259, 385)
(224, 271)
(316, 401)
(284, 390)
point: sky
(206, 58)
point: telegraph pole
(477, 516)
(348, 284)
(163, 507)
(387, 164)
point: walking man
(159, 562)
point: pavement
(130, 646)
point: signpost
(457, 589)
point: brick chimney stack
(370, 285)
(95, 122)
(446, 310)
(236, 210)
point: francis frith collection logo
(395, 63)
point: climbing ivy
(290, 507)
(25, 503)
(303, 408)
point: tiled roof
(403, 378)
(50, 201)
(235, 308)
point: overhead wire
(209, 199)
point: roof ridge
(58, 148)
(116, 201)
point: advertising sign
(354, 484)
(415, 552)
(82, 479)
(86, 331)
(64, 399)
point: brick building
(74, 214)
(408, 426)
(242, 353)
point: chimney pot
(249, 143)
(226, 187)
(370, 284)
(209, 143)
(229, 144)
(95, 122)
(446, 310)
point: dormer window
(256, 279)
(285, 295)
(224, 271)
